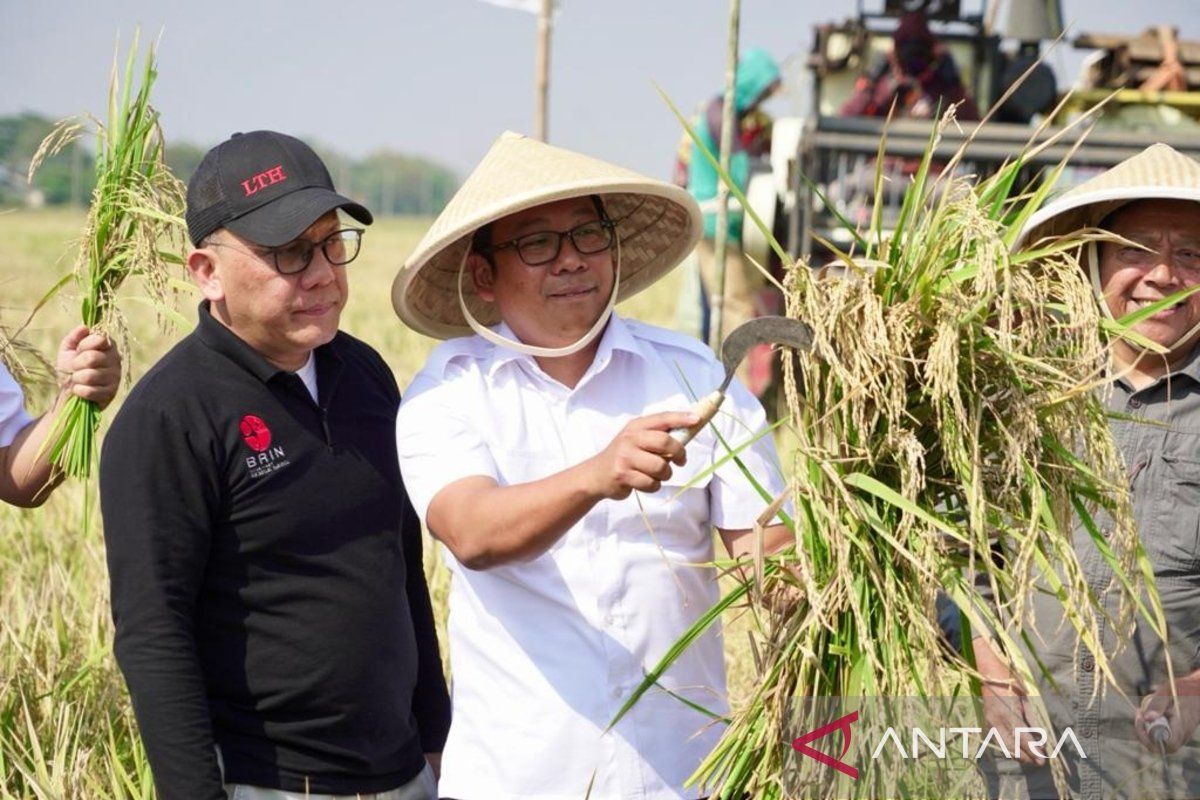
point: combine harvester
(1151, 81)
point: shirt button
(1088, 664)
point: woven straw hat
(657, 225)
(1157, 173)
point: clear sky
(441, 78)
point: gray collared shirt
(1161, 448)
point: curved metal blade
(762, 330)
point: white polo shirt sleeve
(13, 417)
(437, 441)
(735, 504)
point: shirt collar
(616, 337)
(1190, 369)
(229, 344)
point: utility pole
(540, 126)
(717, 300)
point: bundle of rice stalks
(949, 409)
(134, 228)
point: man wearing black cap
(272, 619)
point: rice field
(66, 727)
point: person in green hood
(757, 78)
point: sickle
(761, 330)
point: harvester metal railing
(839, 155)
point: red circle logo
(255, 433)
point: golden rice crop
(947, 411)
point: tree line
(386, 181)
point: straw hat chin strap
(1093, 257)
(528, 349)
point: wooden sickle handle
(706, 409)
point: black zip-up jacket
(267, 586)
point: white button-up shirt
(543, 653)
(12, 408)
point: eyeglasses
(1187, 257)
(536, 249)
(340, 248)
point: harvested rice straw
(947, 407)
(134, 228)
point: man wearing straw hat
(538, 452)
(1141, 742)
(272, 619)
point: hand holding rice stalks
(134, 228)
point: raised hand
(89, 366)
(640, 456)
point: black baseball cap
(264, 186)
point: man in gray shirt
(1140, 741)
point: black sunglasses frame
(273, 252)
(604, 223)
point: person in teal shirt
(757, 78)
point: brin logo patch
(257, 436)
(255, 433)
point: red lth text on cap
(264, 179)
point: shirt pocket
(675, 518)
(1173, 539)
(526, 465)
